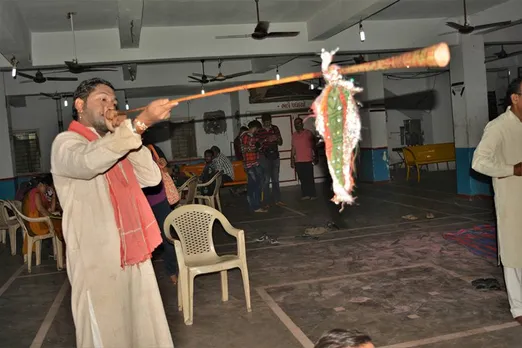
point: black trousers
(161, 211)
(226, 179)
(305, 173)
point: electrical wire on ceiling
(415, 76)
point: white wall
(194, 110)
(506, 71)
(437, 122)
(498, 82)
(442, 113)
(40, 114)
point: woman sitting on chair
(36, 205)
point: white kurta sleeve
(486, 159)
(146, 170)
(75, 157)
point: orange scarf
(137, 226)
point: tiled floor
(397, 280)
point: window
(183, 140)
(26, 152)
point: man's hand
(113, 119)
(517, 169)
(156, 111)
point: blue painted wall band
(7, 188)
(469, 182)
(373, 165)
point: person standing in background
(250, 150)
(157, 198)
(237, 143)
(303, 158)
(270, 139)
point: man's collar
(512, 114)
(95, 132)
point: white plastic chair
(191, 187)
(8, 224)
(16, 204)
(33, 238)
(213, 200)
(196, 254)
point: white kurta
(112, 307)
(496, 155)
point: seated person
(24, 188)
(223, 164)
(35, 205)
(50, 194)
(207, 174)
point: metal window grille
(27, 152)
(183, 140)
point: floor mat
(480, 240)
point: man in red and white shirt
(250, 151)
(303, 158)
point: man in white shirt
(499, 155)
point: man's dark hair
(46, 179)
(216, 150)
(209, 152)
(87, 86)
(266, 117)
(339, 338)
(74, 114)
(513, 88)
(243, 128)
(254, 124)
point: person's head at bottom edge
(340, 338)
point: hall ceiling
(412, 9)
(36, 32)
(49, 15)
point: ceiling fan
(261, 31)
(73, 66)
(466, 28)
(57, 96)
(40, 78)
(220, 77)
(502, 54)
(204, 78)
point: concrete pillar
(373, 158)
(7, 180)
(470, 111)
